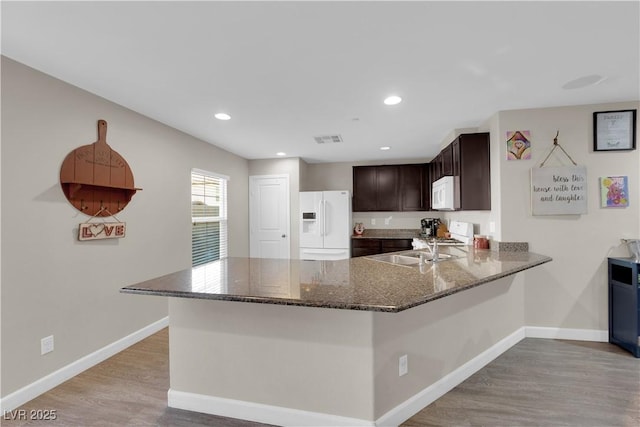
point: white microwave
(442, 194)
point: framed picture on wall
(614, 130)
(614, 192)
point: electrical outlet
(403, 365)
(373, 221)
(492, 227)
(46, 345)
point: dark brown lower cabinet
(394, 245)
(364, 247)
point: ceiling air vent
(328, 139)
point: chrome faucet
(433, 250)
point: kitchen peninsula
(322, 345)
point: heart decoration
(96, 229)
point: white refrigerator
(325, 225)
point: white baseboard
(257, 412)
(567, 334)
(413, 405)
(44, 384)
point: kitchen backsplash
(395, 220)
(411, 220)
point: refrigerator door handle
(320, 225)
(324, 217)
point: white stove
(462, 231)
(461, 235)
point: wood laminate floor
(542, 382)
(535, 383)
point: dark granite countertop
(355, 284)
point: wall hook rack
(95, 176)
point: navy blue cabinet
(624, 304)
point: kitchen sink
(410, 258)
(441, 257)
(397, 259)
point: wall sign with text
(101, 230)
(559, 190)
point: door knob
(284, 235)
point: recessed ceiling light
(584, 81)
(385, 148)
(222, 116)
(281, 153)
(392, 100)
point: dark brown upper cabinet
(436, 168)
(365, 187)
(375, 188)
(467, 159)
(388, 185)
(414, 194)
(431, 177)
(446, 161)
(391, 188)
(471, 164)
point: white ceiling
(289, 71)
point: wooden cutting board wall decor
(96, 179)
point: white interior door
(269, 216)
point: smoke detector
(328, 139)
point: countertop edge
(260, 300)
(339, 306)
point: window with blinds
(208, 217)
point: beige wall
(313, 359)
(304, 175)
(51, 283)
(571, 291)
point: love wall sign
(101, 230)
